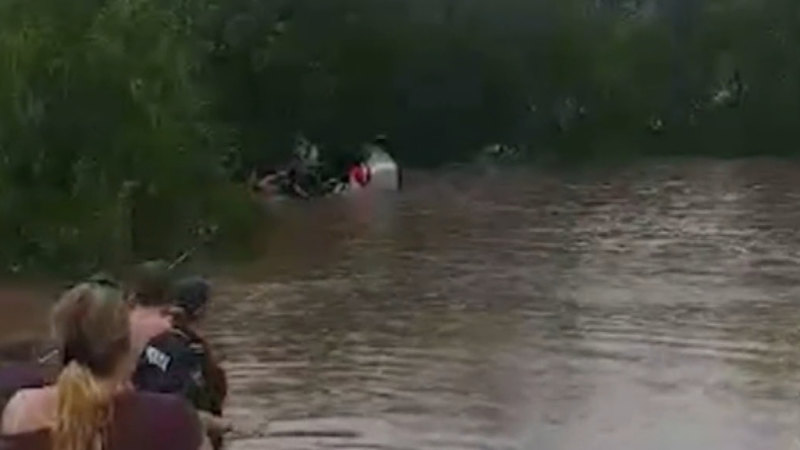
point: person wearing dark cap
(191, 301)
(180, 361)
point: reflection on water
(646, 308)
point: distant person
(179, 361)
(192, 295)
(359, 174)
(380, 144)
(267, 181)
(738, 87)
(92, 406)
(378, 167)
(298, 178)
(306, 152)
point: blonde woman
(91, 405)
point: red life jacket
(361, 174)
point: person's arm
(299, 191)
(10, 415)
(214, 424)
(206, 443)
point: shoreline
(24, 320)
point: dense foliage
(567, 79)
(124, 122)
(107, 146)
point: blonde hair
(90, 322)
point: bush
(108, 153)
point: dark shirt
(179, 362)
(142, 421)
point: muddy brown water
(651, 307)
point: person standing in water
(166, 362)
(180, 361)
(92, 406)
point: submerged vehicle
(377, 172)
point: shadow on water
(651, 307)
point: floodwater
(652, 307)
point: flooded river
(653, 307)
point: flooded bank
(653, 307)
(24, 315)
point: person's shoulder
(25, 397)
(12, 411)
(18, 410)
